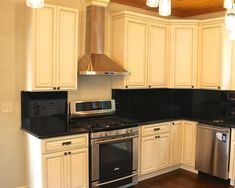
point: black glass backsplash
(44, 113)
(157, 104)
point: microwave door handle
(115, 139)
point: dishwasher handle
(214, 128)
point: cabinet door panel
(44, 64)
(210, 56)
(183, 56)
(176, 143)
(163, 151)
(157, 55)
(148, 154)
(189, 143)
(136, 52)
(79, 168)
(67, 48)
(54, 171)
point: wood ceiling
(182, 8)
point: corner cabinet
(51, 48)
(140, 45)
(183, 54)
(60, 162)
(214, 70)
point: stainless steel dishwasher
(212, 150)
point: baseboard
(23, 186)
(188, 168)
(231, 182)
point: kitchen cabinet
(214, 70)
(232, 156)
(183, 54)
(51, 48)
(140, 45)
(189, 143)
(155, 147)
(176, 142)
(58, 162)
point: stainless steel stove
(113, 143)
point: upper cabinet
(51, 48)
(140, 45)
(183, 54)
(214, 62)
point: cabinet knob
(157, 129)
(219, 87)
(65, 153)
(126, 86)
(149, 86)
(54, 88)
(173, 123)
(157, 136)
(58, 88)
(192, 86)
(69, 153)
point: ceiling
(182, 8)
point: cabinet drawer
(155, 129)
(65, 143)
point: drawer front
(65, 143)
(155, 129)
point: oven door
(114, 159)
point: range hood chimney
(95, 62)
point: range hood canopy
(95, 62)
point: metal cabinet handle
(157, 129)
(66, 143)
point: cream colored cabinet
(155, 147)
(232, 156)
(183, 54)
(140, 44)
(158, 48)
(58, 162)
(214, 70)
(189, 143)
(176, 143)
(51, 48)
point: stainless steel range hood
(95, 62)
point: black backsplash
(157, 104)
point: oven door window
(116, 159)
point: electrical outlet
(7, 107)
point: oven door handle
(119, 179)
(115, 139)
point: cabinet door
(148, 154)
(210, 56)
(189, 143)
(78, 168)
(43, 73)
(54, 170)
(157, 55)
(176, 143)
(136, 54)
(163, 151)
(67, 38)
(183, 56)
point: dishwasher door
(212, 150)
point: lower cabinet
(189, 143)
(60, 162)
(167, 144)
(66, 169)
(155, 147)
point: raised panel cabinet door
(67, 38)
(157, 55)
(45, 47)
(136, 55)
(78, 165)
(148, 154)
(189, 143)
(184, 53)
(54, 170)
(210, 58)
(163, 151)
(176, 143)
